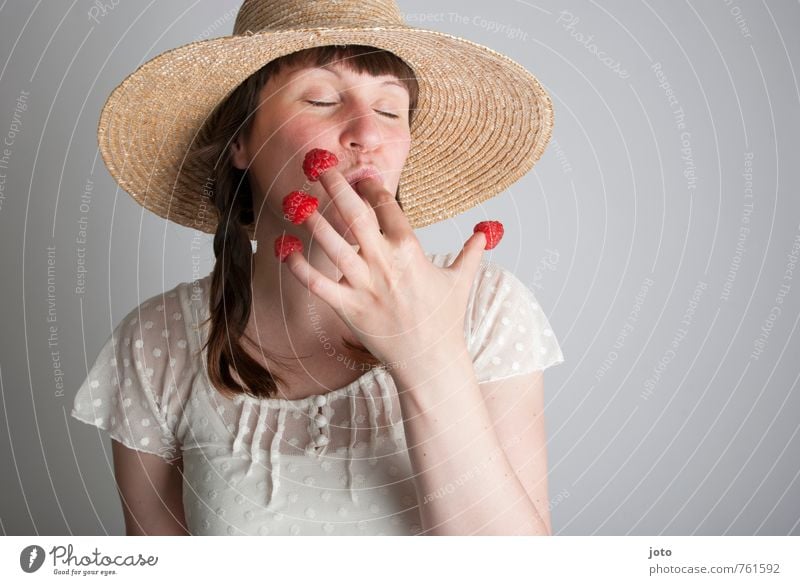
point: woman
(350, 383)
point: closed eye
(325, 104)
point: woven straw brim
(482, 122)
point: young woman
(349, 382)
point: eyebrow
(337, 74)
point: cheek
(280, 158)
(402, 148)
(305, 132)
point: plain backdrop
(659, 231)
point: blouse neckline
(276, 403)
(318, 399)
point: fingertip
(285, 245)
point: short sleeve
(131, 391)
(508, 332)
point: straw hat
(482, 122)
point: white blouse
(335, 463)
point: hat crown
(276, 15)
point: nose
(361, 130)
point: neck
(276, 290)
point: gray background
(655, 427)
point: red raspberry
(317, 161)
(285, 245)
(298, 205)
(493, 230)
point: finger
(329, 291)
(338, 249)
(354, 211)
(469, 258)
(346, 232)
(391, 219)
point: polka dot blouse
(335, 463)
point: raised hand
(394, 299)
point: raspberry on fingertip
(298, 205)
(493, 230)
(317, 161)
(285, 245)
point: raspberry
(317, 161)
(493, 230)
(298, 205)
(285, 245)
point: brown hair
(230, 300)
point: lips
(362, 173)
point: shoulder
(152, 328)
(164, 320)
(152, 347)
(140, 381)
(509, 332)
(506, 328)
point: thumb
(469, 258)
